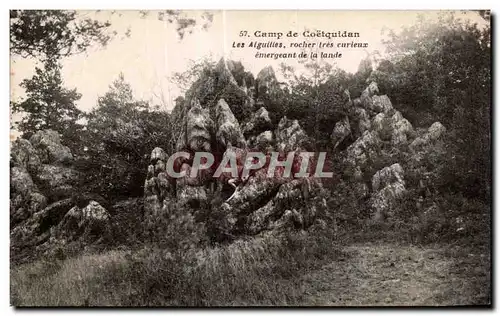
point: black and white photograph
(250, 158)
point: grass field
(263, 271)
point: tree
(183, 22)
(184, 80)
(316, 97)
(442, 73)
(48, 105)
(53, 33)
(121, 133)
(60, 33)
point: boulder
(158, 154)
(82, 224)
(37, 202)
(372, 89)
(388, 175)
(253, 193)
(198, 128)
(258, 123)
(293, 194)
(433, 133)
(266, 81)
(388, 189)
(36, 229)
(290, 136)
(363, 118)
(367, 94)
(228, 129)
(384, 202)
(24, 155)
(49, 149)
(364, 148)
(382, 104)
(56, 180)
(401, 129)
(341, 130)
(21, 208)
(21, 182)
(378, 122)
(264, 140)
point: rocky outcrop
(364, 148)
(197, 129)
(341, 130)
(43, 196)
(434, 133)
(228, 128)
(385, 133)
(367, 94)
(39, 170)
(216, 125)
(258, 123)
(48, 147)
(267, 82)
(43, 163)
(21, 182)
(159, 189)
(402, 130)
(292, 197)
(35, 230)
(58, 180)
(86, 223)
(223, 71)
(263, 142)
(379, 122)
(388, 189)
(24, 155)
(387, 175)
(363, 119)
(25, 199)
(381, 104)
(290, 136)
(213, 85)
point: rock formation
(341, 130)
(224, 113)
(251, 204)
(41, 196)
(383, 130)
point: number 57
(243, 33)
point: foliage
(260, 271)
(185, 79)
(121, 133)
(441, 72)
(316, 98)
(184, 23)
(53, 33)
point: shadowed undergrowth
(261, 271)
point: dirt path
(378, 275)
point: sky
(154, 52)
